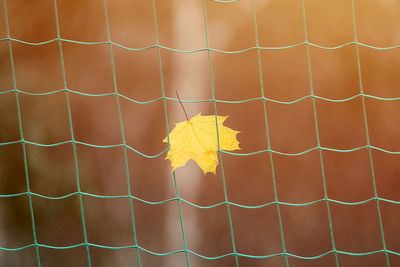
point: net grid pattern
(213, 100)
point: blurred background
(35, 62)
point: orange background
(88, 68)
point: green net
(213, 100)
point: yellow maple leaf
(197, 139)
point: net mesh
(228, 204)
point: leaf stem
(180, 101)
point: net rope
(268, 152)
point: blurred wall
(84, 63)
